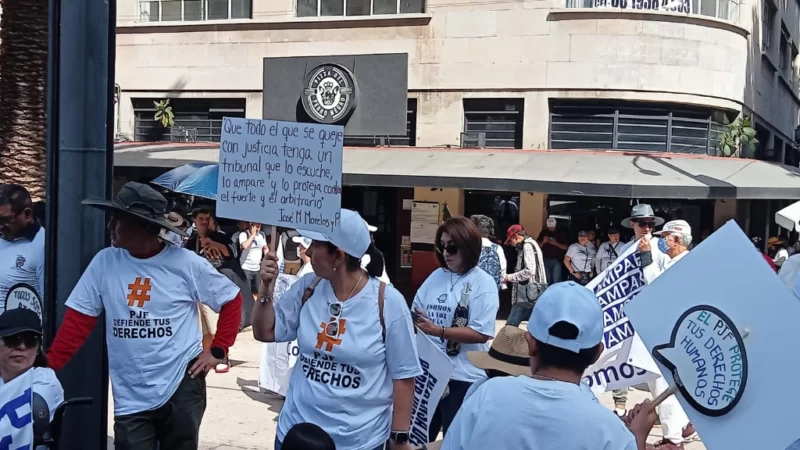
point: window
(194, 10)
(196, 119)
(409, 140)
(634, 126)
(767, 20)
(492, 123)
(314, 8)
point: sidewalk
(239, 417)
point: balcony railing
(721, 9)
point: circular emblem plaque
(330, 93)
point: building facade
(660, 76)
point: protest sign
(428, 387)
(614, 287)
(16, 413)
(726, 337)
(23, 296)
(281, 173)
(278, 358)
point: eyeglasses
(646, 224)
(332, 328)
(29, 340)
(450, 249)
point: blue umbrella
(198, 179)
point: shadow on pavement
(251, 390)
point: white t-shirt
(251, 257)
(438, 297)
(47, 385)
(582, 257)
(365, 260)
(536, 415)
(345, 385)
(152, 323)
(22, 262)
(305, 269)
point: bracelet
(442, 332)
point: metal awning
(789, 217)
(572, 172)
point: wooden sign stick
(273, 245)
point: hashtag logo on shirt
(139, 292)
(329, 341)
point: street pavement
(240, 417)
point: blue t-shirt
(345, 384)
(438, 297)
(537, 415)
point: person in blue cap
(551, 409)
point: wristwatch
(218, 352)
(264, 299)
(401, 437)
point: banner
(678, 6)
(277, 358)
(16, 413)
(428, 387)
(614, 288)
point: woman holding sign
(357, 346)
(457, 306)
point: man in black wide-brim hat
(150, 292)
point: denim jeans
(380, 447)
(517, 315)
(553, 268)
(447, 408)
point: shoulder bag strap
(381, 291)
(310, 290)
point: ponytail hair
(41, 359)
(376, 262)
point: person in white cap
(554, 246)
(550, 409)
(358, 353)
(303, 244)
(367, 259)
(673, 242)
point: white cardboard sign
(281, 173)
(614, 288)
(722, 326)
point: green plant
(738, 134)
(164, 113)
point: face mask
(662, 245)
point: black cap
(18, 320)
(613, 230)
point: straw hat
(508, 353)
(774, 241)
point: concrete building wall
(532, 49)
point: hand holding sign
(708, 360)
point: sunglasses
(450, 249)
(335, 311)
(28, 340)
(646, 224)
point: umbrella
(198, 179)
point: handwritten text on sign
(707, 355)
(281, 173)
